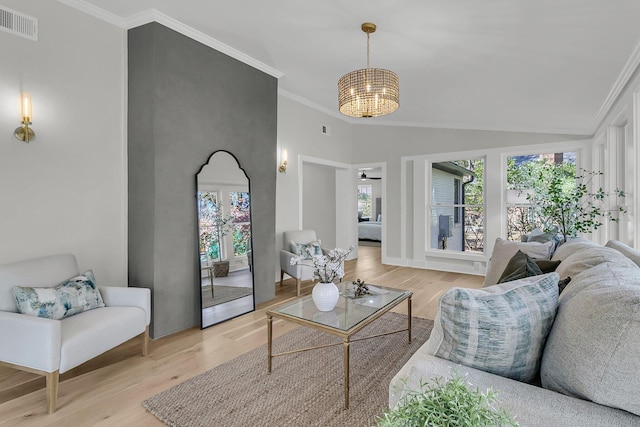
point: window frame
(431, 207)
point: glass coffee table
(348, 317)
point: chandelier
(369, 92)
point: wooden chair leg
(52, 390)
(145, 342)
(297, 287)
(281, 276)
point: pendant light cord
(368, 50)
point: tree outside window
(209, 240)
(530, 175)
(241, 221)
(364, 200)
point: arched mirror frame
(249, 260)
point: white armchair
(297, 271)
(51, 347)
(303, 270)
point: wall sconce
(283, 166)
(24, 132)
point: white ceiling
(525, 65)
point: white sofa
(591, 353)
(52, 347)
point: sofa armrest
(29, 341)
(120, 296)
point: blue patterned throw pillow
(500, 329)
(74, 296)
(306, 250)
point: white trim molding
(623, 79)
(152, 15)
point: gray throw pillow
(546, 265)
(519, 267)
(592, 350)
(499, 329)
(503, 250)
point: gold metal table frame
(344, 334)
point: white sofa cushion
(588, 257)
(628, 251)
(500, 329)
(109, 327)
(572, 246)
(593, 349)
(504, 250)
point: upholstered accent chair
(303, 270)
(51, 347)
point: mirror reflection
(224, 236)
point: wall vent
(18, 23)
(325, 130)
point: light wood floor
(109, 390)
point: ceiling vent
(18, 23)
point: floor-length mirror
(224, 240)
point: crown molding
(456, 126)
(621, 82)
(479, 127)
(95, 11)
(304, 101)
(152, 15)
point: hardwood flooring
(109, 390)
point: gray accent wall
(187, 101)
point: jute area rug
(304, 389)
(222, 294)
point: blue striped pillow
(499, 329)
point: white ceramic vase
(325, 296)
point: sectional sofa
(571, 359)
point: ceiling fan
(364, 177)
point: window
(525, 176)
(209, 244)
(457, 205)
(364, 200)
(456, 200)
(238, 224)
(241, 222)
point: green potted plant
(446, 403)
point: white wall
(319, 202)
(300, 133)
(65, 191)
(365, 145)
(392, 144)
